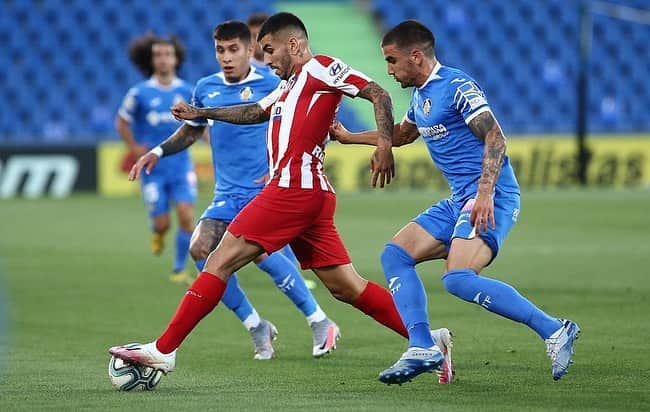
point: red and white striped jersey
(302, 110)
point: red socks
(199, 300)
(377, 303)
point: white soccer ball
(131, 377)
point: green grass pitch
(79, 279)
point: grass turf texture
(80, 279)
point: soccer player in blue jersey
(449, 110)
(143, 122)
(239, 154)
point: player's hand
(184, 111)
(137, 150)
(382, 166)
(148, 161)
(339, 133)
(483, 212)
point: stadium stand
(68, 67)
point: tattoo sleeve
(240, 114)
(383, 110)
(182, 138)
(486, 128)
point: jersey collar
(433, 76)
(175, 83)
(252, 75)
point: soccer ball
(131, 377)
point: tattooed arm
(486, 128)
(382, 163)
(240, 114)
(182, 138)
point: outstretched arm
(403, 133)
(240, 114)
(486, 128)
(382, 163)
(182, 138)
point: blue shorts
(158, 190)
(449, 219)
(225, 207)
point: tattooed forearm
(383, 111)
(486, 128)
(182, 138)
(240, 114)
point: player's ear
(294, 46)
(416, 56)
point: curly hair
(140, 51)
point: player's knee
(395, 257)
(199, 250)
(456, 283)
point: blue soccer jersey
(442, 109)
(239, 152)
(146, 108)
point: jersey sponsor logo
(212, 95)
(435, 132)
(36, 172)
(246, 93)
(426, 106)
(341, 73)
(154, 118)
(468, 93)
(336, 69)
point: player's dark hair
(257, 19)
(409, 34)
(281, 21)
(232, 29)
(141, 51)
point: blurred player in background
(449, 110)
(297, 205)
(254, 23)
(143, 121)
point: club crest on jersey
(426, 106)
(246, 93)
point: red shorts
(303, 219)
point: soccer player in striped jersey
(451, 113)
(143, 122)
(297, 205)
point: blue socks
(286, 277)
(499, 298)
(236, 300)
(288, 253)
(182, 246)
(408, 293)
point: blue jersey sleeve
(197, 101)
(129, 106)
(468, 99)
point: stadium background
(65, 70)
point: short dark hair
(141, 53)
(232, 29)
(281, 21)
(257, 19)
(411, 33)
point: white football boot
(442, 338)
(147, 355)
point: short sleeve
(469, 100)
(269, 100)
(129, 105)
(196, 101)
(339, 76)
